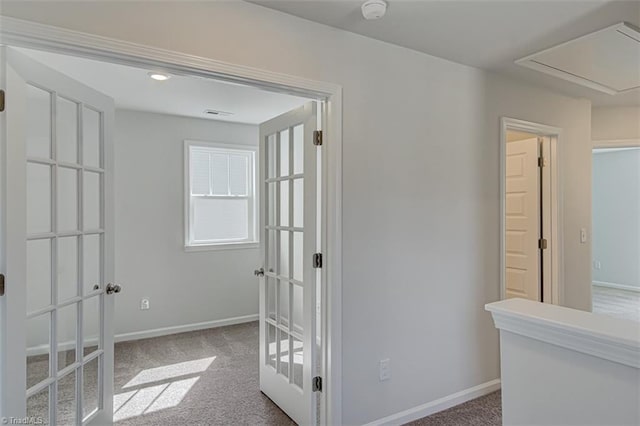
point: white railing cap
(614, 339)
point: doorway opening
(281, 170)
(530, 255)
(616, 230)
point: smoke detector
(374, 9)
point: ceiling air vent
(607, 60)
(216, 113)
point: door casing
(553, 289)
(20, 33)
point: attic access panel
(607, 60)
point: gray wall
(616, 217)
(421, 184)
(611, 123)
(183, 287)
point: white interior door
(57, 246)
(288, 159)
(522, 210)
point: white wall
(611, 123)
(616, 217)
(573, 116)
(562, 366)
(421, 184)
(183, 287)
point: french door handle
(259, 272)
(113, 288)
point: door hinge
(317, 260)
(542, 243)
(1, 284)
(542, 161)
(317, 384)
(1, 100)
(317, 137)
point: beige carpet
(208, 377)
(483, 411)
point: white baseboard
(616, 286)
(145, 334)
(137, 335)
(440, 404)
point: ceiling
(131, 88)
(488, 34)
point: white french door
(57, 247)
(288, 346)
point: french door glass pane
(67, 202)
(91, 201)
(38, 274)
(298, 360)
(298, 203)
(271, 204)
(271, 245)
(271, 345)
(271, 297)
(67, 130)
(67, 399)
(38, 407)
(38, 124)
(284, 254)
(91, 324)
(91, 148)
(38, 198)
(271, 171)
(283, 365)
(284, 203)
(284, 153)
(297, 304)
(91, 267)
(67, 268)
(90, 387)
(283, 308)
(66, 335)
(298, 256)
(38, 348)
(298, 149)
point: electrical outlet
(385, 369)
(596, 265)
(144, 304)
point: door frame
(553, 291)
(21, 33)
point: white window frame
(252, 242)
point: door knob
(113, 288)
(259, 272)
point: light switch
(583, 235)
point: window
(220, 202)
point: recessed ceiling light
(159, 76)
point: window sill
(223, 246)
